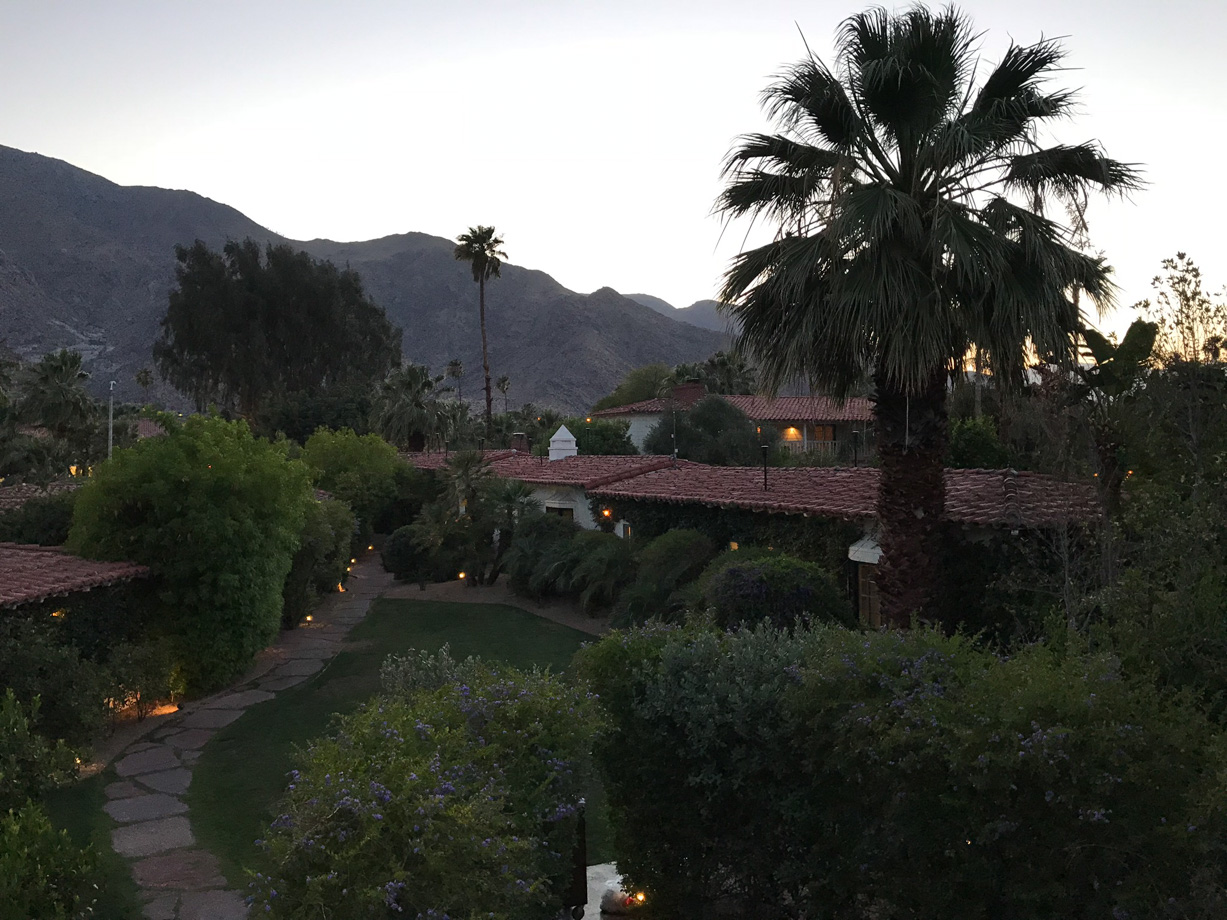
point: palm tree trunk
(912, 438)
(485, 355)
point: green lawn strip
(77, 809)
(242, 771)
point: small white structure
(562, 444)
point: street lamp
(111, 421)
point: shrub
(595, 568)
(668, 563)
(29, 763)
(216, 514)
(36, 664)
(142, 676)
(537, 537)
(359, 470)
(399, 555)
(458, 800)
(834, 773)
(712, 431)
(413, 490)
(321, 561)
(779, 589)
(44, 520)
(974, 445)
(42, 874)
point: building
(806, 424)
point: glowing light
(57, 613)
(588, 420)
(72, 470)
(372, 546)
(640, 897)
(349, 568)
(352, 561)
(607, 513)
(310, 618)
(461, 575)
(734, 545)
(340, 588)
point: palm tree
(407, 407)
(916, 220)
(54, 397)
(503, 385)
(480, 248)
(455, 371)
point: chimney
(687, 394)
(562, 444)
(519, 442)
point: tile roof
(588, 472)
(149, 428)
(762, 409)
(13, 497)
(33, 573)
(988, 497)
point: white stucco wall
(572, 497)
(640, 426)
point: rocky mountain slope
(87, 264)
(702, 313)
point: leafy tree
(647, 382)
(217, 515)
(298, 415)
(1192, 326)
(919, 217)
(243, 324)
(974, 445)
(480, 248)
(712, 431)
(360, 470)
(601, 437)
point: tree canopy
(245, 323)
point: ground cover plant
(243, 770)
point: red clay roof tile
(34, 573)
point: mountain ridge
(87, 263)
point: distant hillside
(701, 313)
(87, 264)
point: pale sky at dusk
(590, 135)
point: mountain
(702, 313)
(88, 264)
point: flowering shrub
(831, 773)
(457, 801)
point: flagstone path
(179, 880)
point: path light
(462, 576)
(340, 588)
(372, 546)
(310, 618)
(352, 561)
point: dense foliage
(455, 794)
(778, 589)
(360, 470)
(667, 565)
(830, 773)
(217, 516)
(44, 520)
(245, 323)
(43, 875)
(322, 559)
(713, 431)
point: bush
(413, 490)
(42, 874)
(399, 555)
(667, 564)
(36, 664)
(29, 763)
(44, 520)
(445, 799)
(712, 431)
(974, 445)
(537, 538)
(321, 561)
(142, 676)
(359, 470)
(779, 589)
(834, 773)
(216, 514)
(595, 568)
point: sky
(590, 134)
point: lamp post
(765, 467)
(111, 421)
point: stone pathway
(179, 880)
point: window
(824, 432)
(567, 513)
(867, 592)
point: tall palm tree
(919, 215)
(480, 248)
(406, 408)
(53, 394)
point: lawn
(78, 810)
(242, 771)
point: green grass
(77, 809)
(242, 771)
